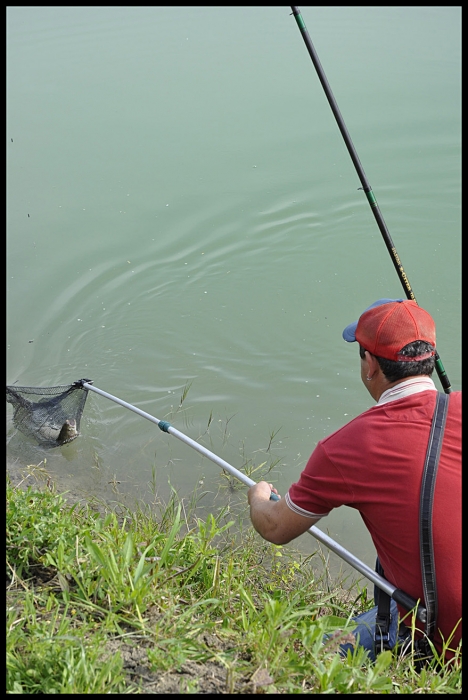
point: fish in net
(50, 415)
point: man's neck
(406, 387)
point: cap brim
(349, 333)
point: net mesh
(50, 415)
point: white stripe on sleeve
(301, 511)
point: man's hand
(261, 492)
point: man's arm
(274, 520)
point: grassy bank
(146, 602)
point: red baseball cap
(386, 326)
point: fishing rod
(396, 593)
(444, 380)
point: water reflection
(194, 218)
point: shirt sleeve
(301, 511)
(320, 488)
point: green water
(182, 210)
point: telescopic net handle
(343, 553)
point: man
(375, 463)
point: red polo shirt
(375, 464)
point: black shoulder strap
(425, 511)
(382, 627)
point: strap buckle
(382, 633)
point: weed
(182, 593)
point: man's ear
(372, 364)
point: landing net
(50, 415)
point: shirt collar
(406, 388)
